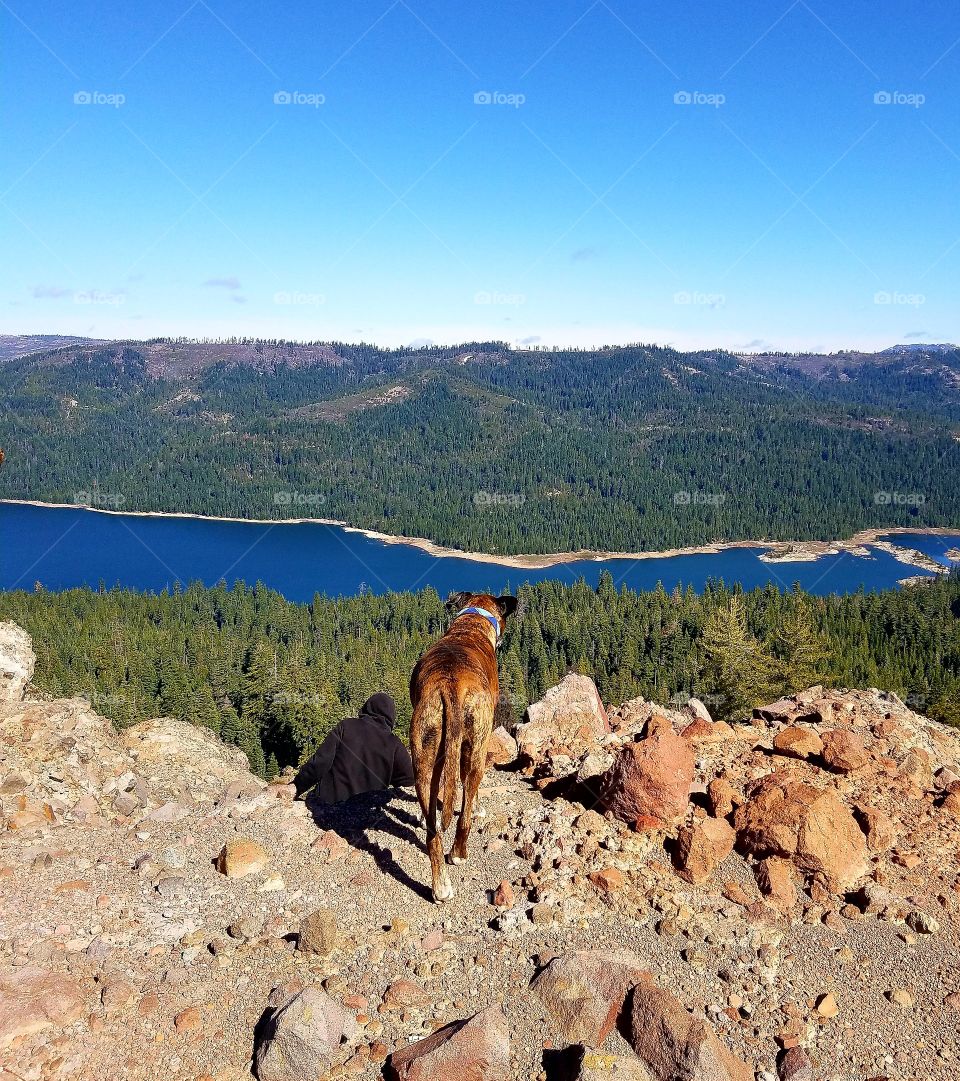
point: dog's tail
(452, 741)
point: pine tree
(736, 667)
(802, 653)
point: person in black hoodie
(360, 755)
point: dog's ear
(457, 600)
(507, 605)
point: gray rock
(302, 1036)
(922, 923)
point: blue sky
(747, 175)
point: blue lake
(64, 547)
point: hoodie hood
(380, 707)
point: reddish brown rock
(584, 990)
(843, 751)
(502, 748)
(733, 891)
(775, 878)
(474, 1050)
(879, 828)
(702, 847)
(786, 817)
(701, 731)
(32, 999)
(241, 857)
(651, 776)
(723, 797)
(188, 1020)
(504, 895)
(795, 1065)
(676, 1046)
(117, 995)
(797, 742)
(951, 804)
(570, 713)
(608, 880)
(332, 845)
(403, 994)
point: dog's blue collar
(473, 610)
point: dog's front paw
(443, 891)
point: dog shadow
(358, 820)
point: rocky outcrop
(125, 952)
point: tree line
(272, 676)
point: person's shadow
(357, 819)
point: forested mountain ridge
(486, 448)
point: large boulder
(477, 1049)
(568, 714)
(302, 1036)
(17, 662)
(32, 999)
(650, 777)
(788, 818)
(584, 991)
(675, 1045)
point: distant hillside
(629, 448)
(21, 345)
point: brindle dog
(454, 690)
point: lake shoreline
(775, 551)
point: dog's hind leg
(427, 790)
(473, 762)
(425, 743)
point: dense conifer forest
(273, 676)
(480, 447)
